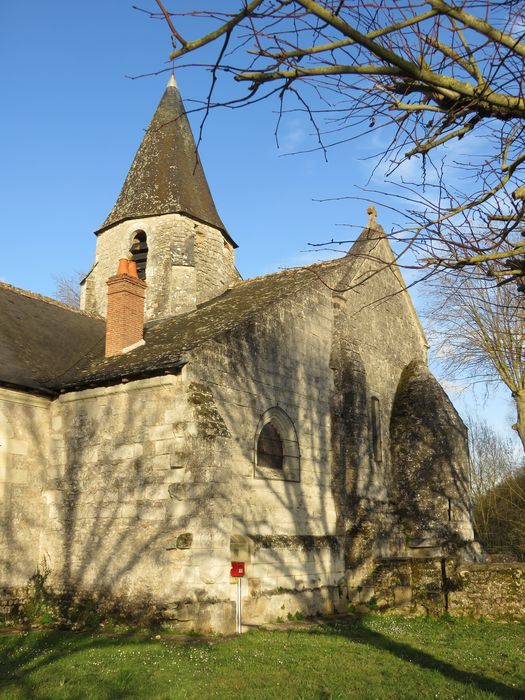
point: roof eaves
(115, 377)
(30, 388)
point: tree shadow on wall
(109, 533)
(20, 514)
(285, 361)
(115, 510)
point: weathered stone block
(160, 432)
(127, 452)
(402, 595)
(162, 461)
(18, 447)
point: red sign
(237, 570)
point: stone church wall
(152, 486)
(132, 511)
(132, 500)
(303, 534)
(381, 323)
(279, 360)
(188, 263)
(24, 445)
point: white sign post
(238, 611)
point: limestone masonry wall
(146, 491)
(285, 358)
(130, 498)
(24, 446)
(376, 335)
(280, 359)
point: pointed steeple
(166, 176)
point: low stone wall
(495, 591)
(404, 586)
(432, 586)
(36, 606)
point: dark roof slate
(169, 340)
(41, 339)
(166, 175)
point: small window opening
(276, 452)
(377, 447)
(270, 448)
(139, 253)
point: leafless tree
(68, 288)
(427, 72)
(479, 330)
(493, 461)
(509, 524)
(498, 490)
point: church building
(185, 418)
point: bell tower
(165, 220)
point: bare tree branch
(480, 332)
(427, 72)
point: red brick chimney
(125, 315)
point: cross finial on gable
(372, 214)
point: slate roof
(41, 339)
(48, 347)
(166, 176)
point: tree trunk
(519, 426)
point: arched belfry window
(276, 453)
(139, 252)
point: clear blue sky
(71, 123)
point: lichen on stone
(210, 423)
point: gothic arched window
(276, 447)
(139, 252)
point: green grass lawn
(370, 657)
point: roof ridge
(46, 300)
(299, 268)
(244, 283)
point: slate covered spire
(166, 176)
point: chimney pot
(132, 268)
(123, 266)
